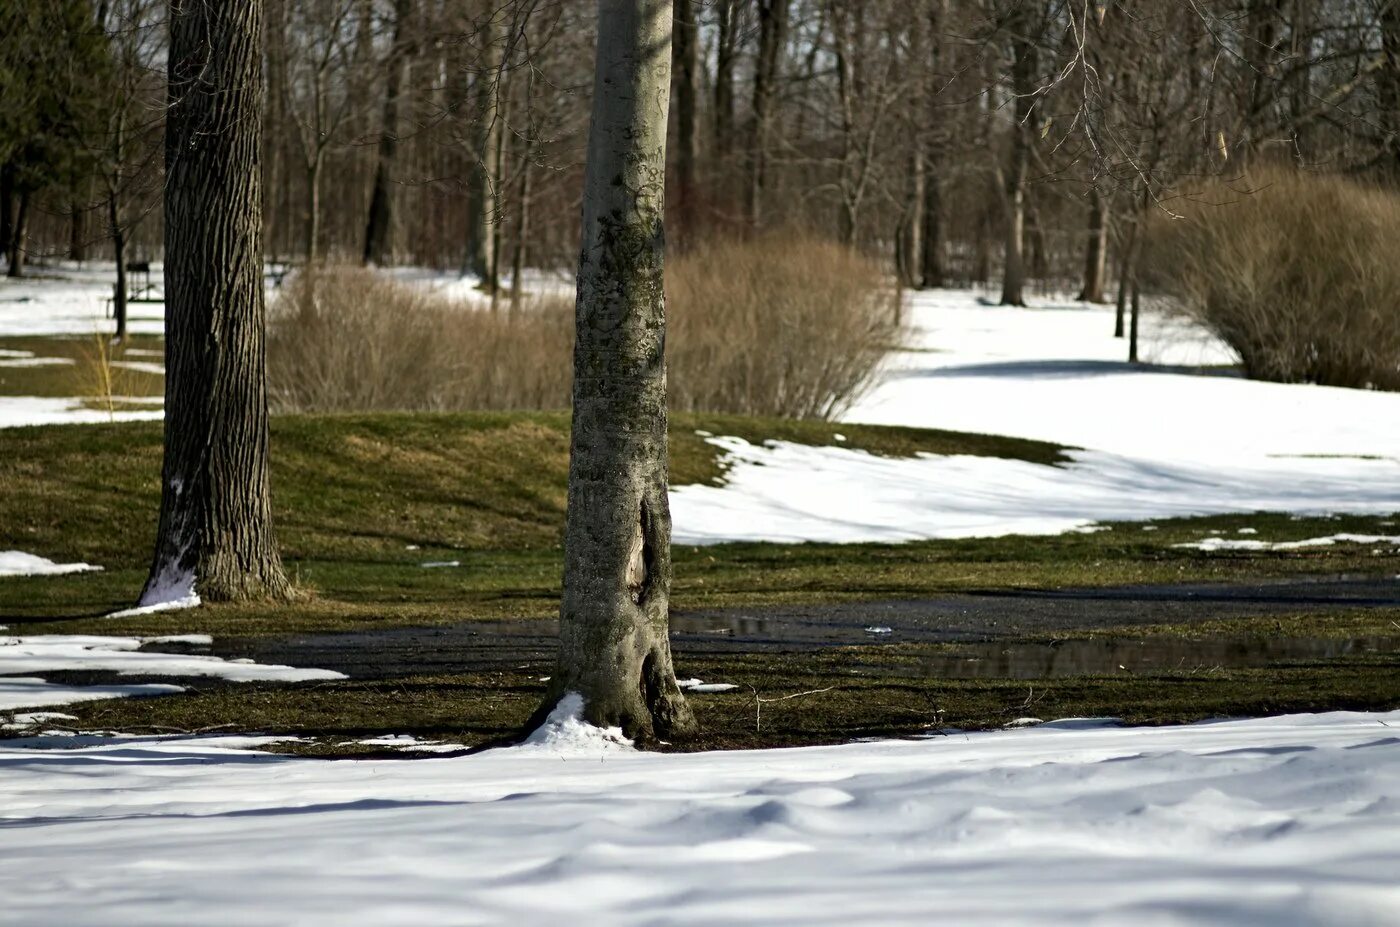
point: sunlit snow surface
(1153, 441)
(1283, 821)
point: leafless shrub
(1298, 276)
(772, 327)
(782, 325)
(346, 339)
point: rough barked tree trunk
(215, 518)
(379, 228)
(614, 649)
(1095, 250)
(481, 183)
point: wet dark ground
(974, 621)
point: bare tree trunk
(522, 234)
(215, 534)
(1388, 80)
(614, 646)
(379, 228)
(77, 226)
(772, 33)
(118, 251)
(686, 84)
(1096, 250)
(1127, 276)
(18, 234)
(1133, 324)
(485, 130)
(7, 208)
(1024, 64)
(726, 53)
(313, 209)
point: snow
(699, 685)
(47, 653)
(173, 590)
(1218, 543)
(1283, 821)
(1155, 441)
(564, 733)
(18, 563)
(20, 411)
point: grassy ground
(80, 370)
(362, 501)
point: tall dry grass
(772, 327)
(1298, 275)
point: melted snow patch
(565, 732)
(46, 653)
(698, 685)
(1218, 543)
(18, 563)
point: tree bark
(119, 252)
(726, 53)
(1095, 251)
(685, 81)
(215, 533)
(18, 234)
(1388, 81)
(481, 183)
(1023, 70)
(379, 228)
(7, 208)
(614, 646)
(772, 33)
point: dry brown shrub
(346, 339)
(785, 327)
(1296, 272)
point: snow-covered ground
(1156, 441)
(1282, 821)
(21, 657)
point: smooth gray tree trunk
(614, 646)
(215, 515)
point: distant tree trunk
(726, 54)
(1024, 64)
(614, 646)
(772, 33)
(77, 227)
(215, 530)
(686, 83)
(119, 252)
(909, 242)
(482, 181)
(18, 234)
(931, 258)
(313, 207)
(1095, 251)
(1126, 277)
(1388, 80)
(379, 229)
(498, 172)
(7, 208)
(522, 234)
(1133, 325)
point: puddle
(1146, 655)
